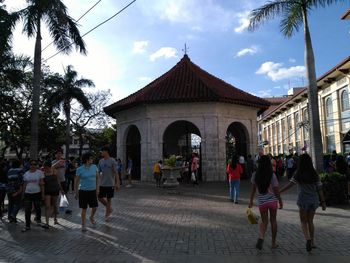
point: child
(309, 193)
(234, 171)
(265, 182)
(157, 172)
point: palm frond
(268, 11)
(292, 20)
(80, 96)
(74, 34)
(30, 17)
(84, 83)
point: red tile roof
(186, 82)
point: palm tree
(63, 30)
(294, 15)
(68, 87)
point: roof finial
(185, 49)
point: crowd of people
(32, 183)
(265, 175)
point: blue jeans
(234, 189)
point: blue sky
(147, 39)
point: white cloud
(292, 60)
(139, 47)
(276, 71)
(264, 93)
(243, 21)
(166, 52)
(199, 15)
(247, 51)
(145, 79)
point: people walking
(52, 188)
(14, 190)
(119, 170)
(309, 195)
(129, 170)
(107, 168)
(265, 183)
(87, 188)
(157, 173)
(234, 171)
(33, 193)
(194, 168)
(70, 173)
(3, 186)
(59, 164)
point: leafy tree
(294, 15)
(98, 139)
(7, 24)
(63, 30)
(67, 88)
(82, 118)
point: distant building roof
(187, 82)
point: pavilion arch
(237, 140)
(181, 138)
(132, 138)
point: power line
(105, 21)
(77, 21)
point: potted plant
(171, 172)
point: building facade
(284, 128)
(186, 110)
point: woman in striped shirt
(266, 184)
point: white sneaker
(128, 185)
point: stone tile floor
(193, 225)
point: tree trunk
(36, 96)
(68, 138)
(316, 148)
(81, 144)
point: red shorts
(268, 206)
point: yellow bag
(252, 218)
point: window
(344, 100)
(297, 127)
(329, 107)
(330, 143)
(306, 124)
(290, 127)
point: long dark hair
(263, 174)
(234, 162)
(306, 173)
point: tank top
(51, 184)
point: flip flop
(274, 246)
(92, 220)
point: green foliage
(334, 188)
(171, 161)
(106, 137)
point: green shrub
(171, 161)
(334, 188)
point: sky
(148, 38)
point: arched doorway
(181, 138)
(133, 150)
(237, 140)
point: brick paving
(194, 225)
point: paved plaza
(194, 225)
